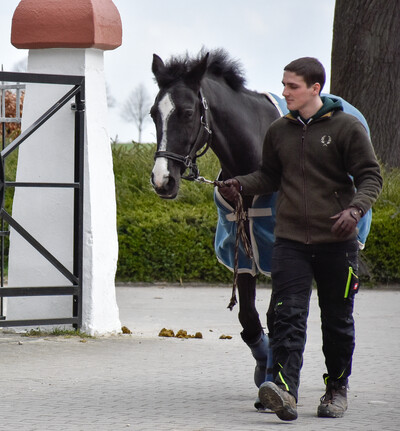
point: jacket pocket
(338, 200)
(352, 285)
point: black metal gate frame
(75, 277)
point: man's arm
(265, 180)
(363, 166)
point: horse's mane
(219, 65)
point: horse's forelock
(219, 65)
(175, 69)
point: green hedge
(168, 245)
(382, 252)
(10, 175)
(173, 240)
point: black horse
(203, 101)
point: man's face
(298, 96)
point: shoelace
(332, 393)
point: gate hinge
(80, 107)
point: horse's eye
(188, 113)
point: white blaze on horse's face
(160, 170)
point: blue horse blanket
(261, 216)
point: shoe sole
(270, 398)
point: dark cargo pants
(294, 266)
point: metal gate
(8, 82)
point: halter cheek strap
(203, 140)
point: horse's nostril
(171, 183)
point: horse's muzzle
(167, 189)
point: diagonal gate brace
(42, 250)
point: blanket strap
(240, 219)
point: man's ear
(316, 88)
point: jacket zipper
(304, 182)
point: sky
(263, 35)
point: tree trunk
(366, 68)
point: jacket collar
(329, 106)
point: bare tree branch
(136, 108)
(110, 98)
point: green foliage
(10, 167)
(177, 246)
(382, 252)
(390, 196)
(174, 240)
(10, 174)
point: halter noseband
(203, 140)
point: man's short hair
(309, 68)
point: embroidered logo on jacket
(326, 140)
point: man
(322, 162)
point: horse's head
(177, 113)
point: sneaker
(334, 402)
(278, 400)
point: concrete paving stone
(143, 382)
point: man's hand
(230, 189)
(346, 222)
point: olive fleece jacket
(310, 164)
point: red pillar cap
(66, 24)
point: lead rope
(241, 216)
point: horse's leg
(248, 314)
(253, 334)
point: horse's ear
(195, 75)
(157, 67)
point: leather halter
(202, 142)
